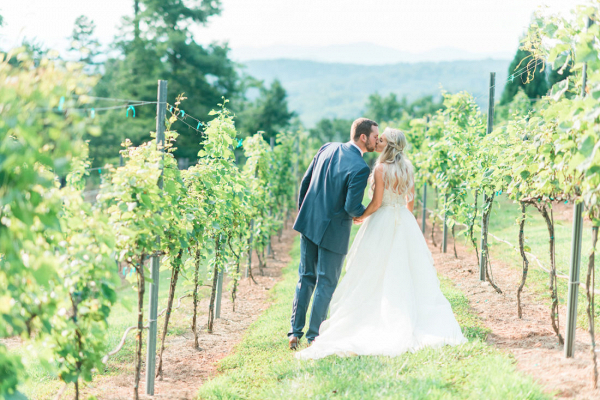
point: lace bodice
(392, 199)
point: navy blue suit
(331, 195)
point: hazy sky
(481, 26)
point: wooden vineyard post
(575, 256)
(161, 113)
(445, 239)
(485, 216)
(269, 248)
(424, 216)
(219, 295)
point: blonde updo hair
(397, 169)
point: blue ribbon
(61, 103)
(182, 113)
(132, 109)
(92, 113)
(198, 127)
(512, 77)
(240, 141)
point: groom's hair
(361, 126)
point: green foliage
(87, 293)
(228, 202)
(575, 149)
(385, 108)
(258, 172)
(558, 75)
(449, 158)
(157, 43)
(332, 130)
(36, 146)
(58, 275)
(283, 183)
(83, 41)
(268, 113)
(520, 105)
(390, 109)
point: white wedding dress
(389, 302)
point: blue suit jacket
(331, 194)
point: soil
(186, 368)
(531, 340)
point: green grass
(262, 367)
(42, 384)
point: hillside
(318, 90)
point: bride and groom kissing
(389, 301)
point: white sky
(479, 26)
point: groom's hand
(357, 220)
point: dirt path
(530, 340)
(185, 368)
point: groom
(331, 195)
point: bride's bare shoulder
(378, 171)
(379, 168)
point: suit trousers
(318, 268)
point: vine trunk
(525, 261)
(172, 287)
(196, 286)
(141, 281)
(589, 287)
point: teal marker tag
(132, 109)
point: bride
(389, 301)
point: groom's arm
(356, 191)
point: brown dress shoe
(293, 343)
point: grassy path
(262, 367)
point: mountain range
(328, 90)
